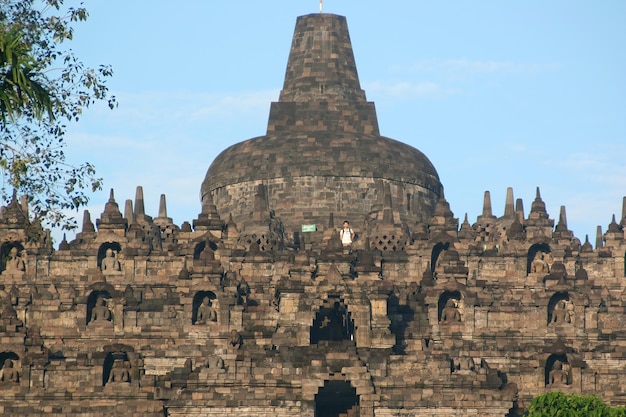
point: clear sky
(496, 93)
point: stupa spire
(519, 209)
(139, 206)
(509, 208)
(487, 212)
(162, 206)
(562, 224)
(140, 211)
(321, 61)
(88, 226)
(129, 214)
(599, 237)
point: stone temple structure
(257, 308)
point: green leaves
(558, 404)
(44, 86)
(20, 86)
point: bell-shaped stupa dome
(322, 154)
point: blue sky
(496, 93)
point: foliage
(558, 404)
(44, 87)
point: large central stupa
(322, 156)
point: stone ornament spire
(139, 206)
(163, 207)
(129, 214)
(562, 224)
(561, 230)
(111, 217)
(539, 223)
(509, 208)
(88, 226)
(519, 210)
(321, 91)
(321, 62)
(15, 214)
(487, 217)
(140, 211)
(162, 218)
(538, 207)
(487, 211)
(165, 223)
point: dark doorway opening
(332, 323)
(337, 399)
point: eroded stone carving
(110, 263)
(243, 292)
(563, 312)
(206, 312)
(215, 363)
(450, 313)
(8, 373)
(539, 264)
(119, 372)
(235, 340)
(15, 263)
(100, 312)
(559, 375)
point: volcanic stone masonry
(256, 308)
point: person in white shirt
(346, 234)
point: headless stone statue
(8, 373)
(119, 372)
(207, 255)
(561, 314)
(450, 313)
(215, 363)
(558, 375)
(539, 264)
(235, 340)
(110, 262)
(206, 313)
(243, 291)
(100, 312)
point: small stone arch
(532, 253)
(557, 370)
(332, 322)
(199, 248)
(337, 399)
(114, 246)
(436, 252)
(556, 303)
(116, 368)
(197, 301)
(92, 300)
(443, 302)
(5, 250)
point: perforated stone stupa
(257, 308)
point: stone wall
(308, 200)
(455, 323)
